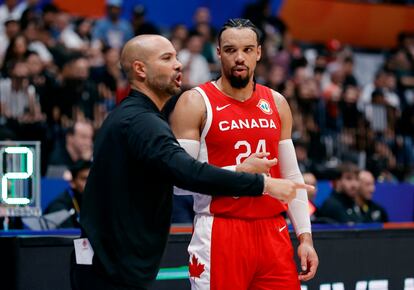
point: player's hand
(308, 258)
(284, 189)
(257, 163)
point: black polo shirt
(127, 201)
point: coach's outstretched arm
(162, 151)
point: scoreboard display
(20, 178)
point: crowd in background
(60, 77)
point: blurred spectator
(77, 145)
(348, 70)
(18, 97)
(371, 211)
(77, 95)
(39, 41)
(21, 108)
(11, 9)
(260, 13)
(140, 24)
(202, 26)
(111, 84)
(43, 81)
(406, 131)
(332, 95)
(11, 30)
(404, 69)
(179, 36)
(195, 67)
(109, 76)
(401, 64)
(376, 112)
(351, 117)
(309, 104)
(73, 37)
(16, 51)
(48, 18)
(340, 206)
(304, 162)
(202, 15)
(384, 81)
(276, 77)
(382, 162)
(31, 11)
(112, 30)
(83, 29)
(71, 198)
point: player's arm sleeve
(192, 147)
(298, 210)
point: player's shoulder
(280, 100)
(190, 102)
(191, 93)
(278, 96)
(191, 97)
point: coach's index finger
(260, 154)
(272, 162)
(308, 187)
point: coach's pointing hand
(284, 189)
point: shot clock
(20, 178)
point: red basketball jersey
(233, 131)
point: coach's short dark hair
(240, 23)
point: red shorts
(237, 254)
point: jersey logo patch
(264, 106)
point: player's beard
(239, 82)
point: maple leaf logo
(195, 268)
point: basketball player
(241, 242)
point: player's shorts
(240, 254)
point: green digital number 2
(16, 175)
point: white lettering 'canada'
(246, 124)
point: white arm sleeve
(298, 208)
(192, 147)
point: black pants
(92, 277)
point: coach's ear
(139, 69)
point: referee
(127, 201)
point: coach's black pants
(92, 277)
